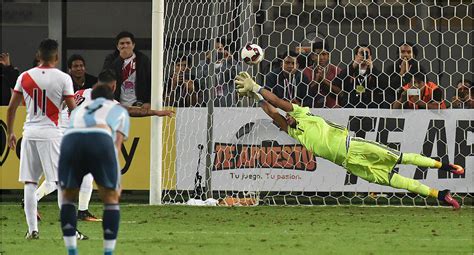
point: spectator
(304, 51)
(287, 82)
(77, 69)
(362, 84)
(321, 74)
(9, 76)
(401, 72)
(464, 97)
(181, 86)
(420, 94)
(133, 69)
(225, 69)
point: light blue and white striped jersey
(100, 112)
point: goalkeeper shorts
(370, 160)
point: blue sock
(68, 226)
(110, 224)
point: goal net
(357, 63)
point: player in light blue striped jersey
(90, 145)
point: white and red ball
(252, 54)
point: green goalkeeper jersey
(324, 138)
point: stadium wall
(134, 156)
(446, 134)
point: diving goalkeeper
(369, 160)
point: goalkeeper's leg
(398, 181)
(401, 182)
(422, 161)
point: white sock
(85, 192)
(109, 245)
(60, 196)
(44, 189)
(31, 206)
(70, 242)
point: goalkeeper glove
(244, 83)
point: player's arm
(15, 101)
(276, 101)
(70, 102)
(119, 137)
(123, 128)
(135, 111)
(271, 111)
(244, 82)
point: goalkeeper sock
(110, 224)
(445, 167)
(434, 193)
(419, 160)
(401, 182)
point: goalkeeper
(369, 160)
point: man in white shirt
(133, 69)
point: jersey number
(92, 108)
(36, 99)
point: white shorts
(39, 157)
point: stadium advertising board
(252, 154)
(134, 155)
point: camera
(365, 54)
(187, 76)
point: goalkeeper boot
(87, 216)
(455, 169)
(32, 236)
(445, 196)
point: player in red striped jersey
(43, 88)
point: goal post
(156, 136)
(225, 146)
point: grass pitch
(254, 230)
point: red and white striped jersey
(81, 96)
(43, 89)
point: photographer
(287, 82)
(420, 94)
(321, 74)
(181, 87)
(361, 83)
(401, 71)
(225, 69)
(464, 97)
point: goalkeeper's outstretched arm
(134, 111)
(276, 101)
(271, 111)
(245, 83)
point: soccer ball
(252, 54)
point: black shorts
(88, 152)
